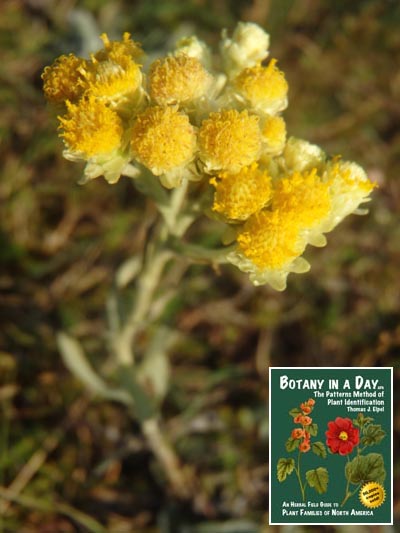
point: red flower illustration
(342, 436)
(305, 446)
(305, 408)
(305, 420)
(297, 433)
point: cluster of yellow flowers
(191, 117)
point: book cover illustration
(330, 445)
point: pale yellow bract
(349, 187)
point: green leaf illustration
(295, 411)
(362, 420)
(284, 468)
(292, 444)
(319, 449)
(373, 434)
(366, 468)
(318, 479)
(312, 429)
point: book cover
(330, 457)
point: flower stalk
(163, 451)
(156, 257)
(298, 474)
(300, 439)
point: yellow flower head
(349, 187)
(90, 128)
(229, 140)
(301, 155)
(303, 198)
(111, 81)
(163, 139)
(63, 80)
(237, 196)
(178, 79)
(193, 47)
(119, 51)
(270, 239)
(247, 47)
(274, 135)
(265, 88)
(113, 72)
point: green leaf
(154, 370)
(75, 360)
(319, 449)
(284, 468)
(145, 407)
(198, 253)
(365, 468)
(312, 429)
(292, 444)
(318, 479)
(362, 420)
(294, 412)
(373, 434)
(128, 271)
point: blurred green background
(69, 463)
